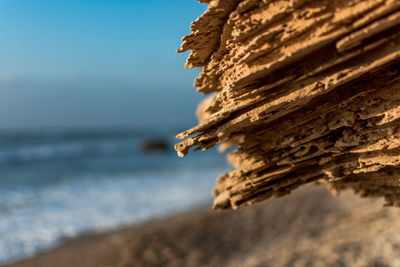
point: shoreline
(309, 226)
(92, 236)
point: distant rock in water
(154, 145)
(308, 91)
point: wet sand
(310, 227)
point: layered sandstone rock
(305, 91)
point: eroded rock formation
(306, 91)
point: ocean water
(60, 184)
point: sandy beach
(297, 96)
(307, 228)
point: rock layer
(305, 91)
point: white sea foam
(36, 218)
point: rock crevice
(306, 91)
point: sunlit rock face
(304, 91)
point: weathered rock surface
(306, 91)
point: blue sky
(95, 63)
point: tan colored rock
(308, 91)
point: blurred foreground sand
(310, 227)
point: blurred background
(92, 94)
